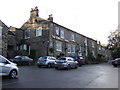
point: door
(4, 66)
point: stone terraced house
(43, 37)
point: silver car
(48, 61)
(8, 68)
(65, 62)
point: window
(85, 41)
(93, 45)
(71, 48)
(99, 47)
(62, 34)
(2, 59)
(80, 49)
(58, 46)
(86, 52)
(72, 37)
(24, 47)
(93, 53)
(1, 30)
(27, 34)
(39, 31)
(57, 31)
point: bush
(22, 53)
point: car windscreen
(42, 58)
(61, 58)
(17, 57)
(117, 59)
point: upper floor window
(93, 45)
(57, 31)
(39, 31)
(27, 34)
(62, 34)
(58, 46)
(1, 30)
(99, 47)
(85, 41)
(72, 37)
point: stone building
(46, 37)
(15, 39)
(42, 37)
(3, 39)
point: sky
(92, 18)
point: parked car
(65, 62)
(48, 61)
(78, 59)
(22, 60)
(8, 68)
(116, 62)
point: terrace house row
(41, 37)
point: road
(87, 76)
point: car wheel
(39, 66)
(13, 74)
(115, 65)
(68, 67)
(76, 66)
(56, 67)
(49, 65)
(80, 65)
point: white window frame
(39, 31)
(24, 47)
(58, 46)
(1, 30)
(27, 31)
(80, 49)
(85, 41)
(93, 53)
(72, 37)
(86, 52)
(93, 45)
(99, 47)
(57, 30)
(69, 48)
(62, 34)
(72, 48)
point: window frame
(26, 31)
(38, 32)
(57, 30)
(58, 46)
(72, 37)
(1, 28)
(62, 34)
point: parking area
(87, 76)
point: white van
(8, 68)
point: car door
(4, 66)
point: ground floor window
(71, 48)
(58, 46)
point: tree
(114, 43)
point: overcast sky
(92, 18)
